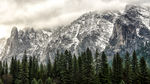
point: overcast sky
(50, 13)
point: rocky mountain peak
(111, 31)
(135, 11)
(131, 30)
(14, 32)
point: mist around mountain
(109, 47)
(110, 31)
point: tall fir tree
(30, 69)
(19, 73)
(13, 67)
(88, 69)
(48, 81)
(127, 69)
(75, 70)
(117, 69)
(1, 82)
(57, 68)
(40, 81)
(135, 69)
(144, 79)
(25, 76)
(97, 62)
(49, 68)
(1, 69)
(104, 77)
(34, 81)
(80, 64)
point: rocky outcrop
(131, 30)
(108, 31)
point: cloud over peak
(49, 13)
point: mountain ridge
(109, 31)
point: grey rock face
(91, 30)
(108, 31)
(131, 30)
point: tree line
(82, 69)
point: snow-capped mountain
(109, 31)
(131, 30)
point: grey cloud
(20, 2)
(42, 12)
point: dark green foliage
(18, 81)
(127, 69)
(30, 69)
(48, 81)
(117, 69)
(13, 68)
(143, 72)
(20, 73)
(34, 81)
(25, 74)
(97, 62)
(80, 69)
(40, 81)
(122, 82)
(135, 69)
(75, 70)
(104, 74)
(80, 64)
(1, 82)
(49, 68)
(88, 69)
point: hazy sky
(49, 13)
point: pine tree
(25, 75)
(30, 69)
(104, 70)
(49, 81)
(143, 72)
(49, 68)
(18, 81)
(40, 81)
(19, 73)
(68, 69)
(55, 69)
(117, 69)
(75, 70)
(1, 82)
(127, 69)
(88, 70)
(122, 82)
(135, 69)
(42, 72)
(62, 68)
(34, 81)
(13, 68)
(97, 62)
(35, 67)
(80, 63)
(1, 69)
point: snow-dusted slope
(131, 30)
(90, 30)
(110, 31)
(2, 44)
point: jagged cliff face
(91, 30)
(109, 31)
(34, 42)
(131, 30)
